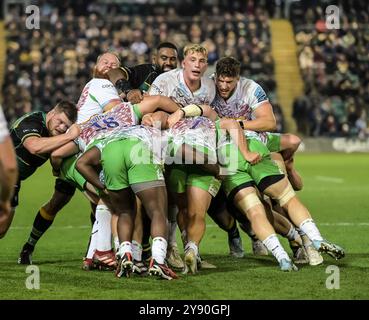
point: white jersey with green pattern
(199, 132)
(96, 94)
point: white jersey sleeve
(256, 94)
(3, 126)
(95, 96)
(163, 84)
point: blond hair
(110, 52)
(191, 48)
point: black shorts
(64, 187)
(221, 203)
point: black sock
(40, 225)
(233, 232)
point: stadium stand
(52, 63)
(334, 65)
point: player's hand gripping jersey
(120, 122)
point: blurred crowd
(54, 62)
(335, 68)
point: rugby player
(35, 136)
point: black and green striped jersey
(31, 124)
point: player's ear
(183, 64)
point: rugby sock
(275, 247)
(192, 245)
(172, 217)
(136, 251)
(159, 249)
(184, 238)
(305, 239)
(248, 230)
(103, 218)
(301, 233)
(116, 243)
(93, 241)
(146, 251)
(292, 234)
(233, 232)
(125, 247)
(42, 222)
(309, 227)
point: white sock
(116, 243)
(103, 217)
(292, 234)
(136, 251)
(309, 227)
(275, 247)
(301, 233)
(125, 247)
(159, 249)
(93, 241)
(192, 245)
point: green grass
(336, 192)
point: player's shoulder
(248, 84)
(208, 81)
(34, 116)
(98, 83)
(30, 122)
(171, 75)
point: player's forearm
(237, 135)
(47, 145)
(8, 169)
(193, 110)
(152, 103)
(167, 104)
(89, 172)
(260, 124)
(209, 112)
(6, 185)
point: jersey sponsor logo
(26, 130)
(157, 89)
(107, 86)
(260, 94)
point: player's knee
(249, 203)
(285, 195)
(291, 141)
